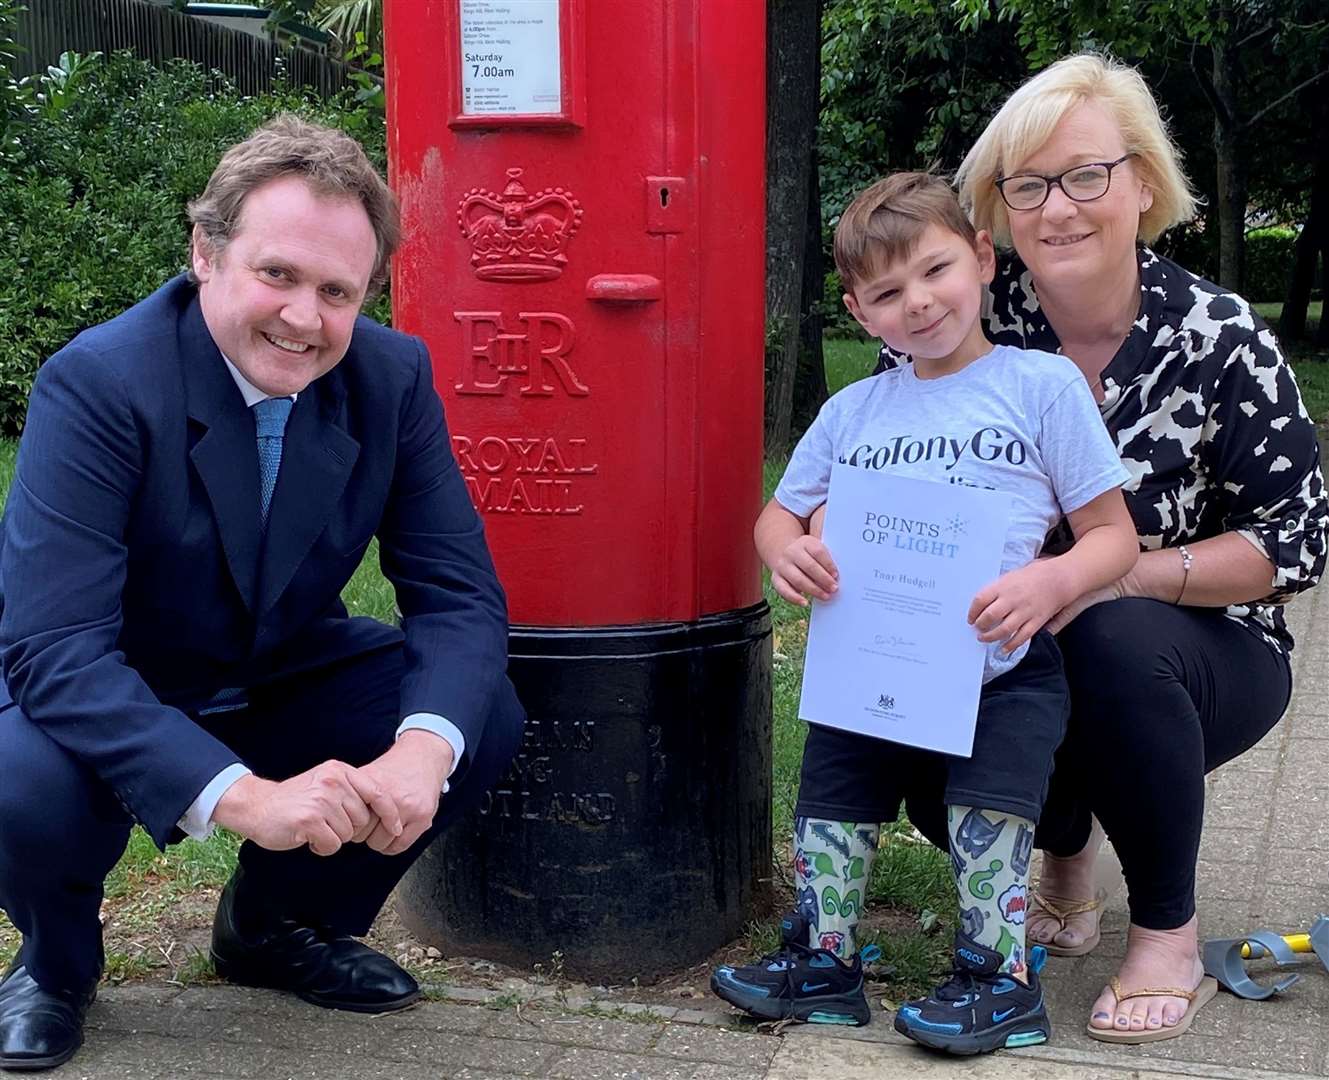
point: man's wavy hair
(329, 161)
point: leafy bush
(1270, 254)
(92, 198)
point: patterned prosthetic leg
(990, 852)
(832, 866)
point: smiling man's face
(281, 298)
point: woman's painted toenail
(1101, 1016)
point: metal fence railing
(155, 33)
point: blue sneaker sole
(846, 1009)
(1028, 1030)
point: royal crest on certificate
(892, 653)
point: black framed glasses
(1082, 183)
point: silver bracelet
(1187, 561)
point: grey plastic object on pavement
(1223, 959)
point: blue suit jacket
(135, 581)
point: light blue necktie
(270, 418)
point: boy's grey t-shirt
(1014, 420)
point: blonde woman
(1182, 664)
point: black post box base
(633, 832)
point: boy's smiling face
(927, 304)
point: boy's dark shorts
(1022, 718)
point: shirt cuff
(444, 729)
(197, 821)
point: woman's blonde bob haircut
(1029, 117)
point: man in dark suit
(197, 480)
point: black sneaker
(979, 1008)
(797, 982)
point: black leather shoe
(321, 967)
(39, 1029)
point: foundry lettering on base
(523, 474)
(491, 354)
(529, 791)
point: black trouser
(61, 828)
(1022, 717)
(1160, 695)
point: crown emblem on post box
(517, 236)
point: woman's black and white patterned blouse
(1207, 418)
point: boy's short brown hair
(884, 222)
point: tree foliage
(93, 195)
(911, 83)
(348, 21)
(905, 84)
(1239, 75)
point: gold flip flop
(1198, 998)
(1041, 905)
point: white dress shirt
(197, 821)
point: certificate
(892, 654)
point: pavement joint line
(575, 1003)
(1124, 1059)
(540, 1035)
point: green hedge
(92, 202)
(1270, 254)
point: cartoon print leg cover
(832, 865)
(990, 852)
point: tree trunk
(1231, 170)
(793, 36)
(1292, 323)
(810, 381)
(1322, 334)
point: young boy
(1017, 421)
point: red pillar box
(582, 188)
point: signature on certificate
(894, 641)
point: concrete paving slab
(113, 1013)
(585, 1064)
(563, 1029)
(1255, 781)
(1307, 757)
(1288, 909)
(1300, 815)
(1224, 882)
(116, 1056)
(1298, 866)
(1242, 846)
(812, 1058)
(1264, 756)
(741, 1050)
(325, 1066)
(222, 996)
(1241, 814)
(1311, 717)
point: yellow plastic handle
(1295, 942)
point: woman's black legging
(1160, 695)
